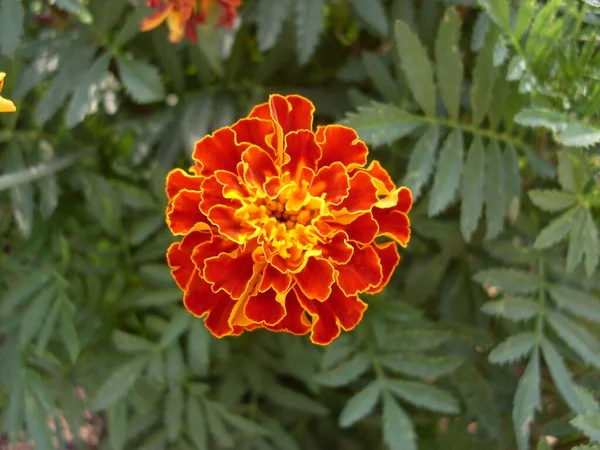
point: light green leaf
(379, 124)
(512, 307)
(416, 67)
(196, 423)
(584, 343)
(421, 162)
(484, 74)
(583, 242)
(360, 405)
(346, 372)
(527, 401)
(424, 395)
(295, 400)
(589, 423)
(449, 67)
(448, 173)
(546, 118)
(509, 280)
(480, 29)
(499, 12)
(513, 348)
(525, 13)
(84, 95)
(494, 192)
(119, 382)
(472, 188)
(73, 6)
(141, 80)
(380, 76)
(566, 171)
(173, 413)
(12, 18)
(516, 68)
(560, 375)
(557, 230)
(373, 14)
(419, 364)
(130, 343)
(579, 134)
(398, 430)
(179, 323)
(309, 24)
(271, 15)
(551, 200)
(159, 297)
(116, 416)
(576, 302)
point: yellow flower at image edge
(279, 225)
(5, 105)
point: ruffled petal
(265, 308)
(292, 112)
(231, 272)
(380, 174)
(362, 229)
(273, 278)
(218, 151)
(213, 193)
(315, 279)
(259, 132)
(206, 250)
(348, 309)
(295, 320)
(324, 327)
(179, 257)
(394, 224)
(332, 182)
(337, 250)
(231, 186)
(301, 151)
(361, 272)
(228, 224)
(389, 259)
(178, 180)
(340, 143)
(362, 194)
(157, 17)
(257, 166)
(184, 215)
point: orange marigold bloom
(5, 105)
(279, 225)
(182, 16)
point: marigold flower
(279, 225)
(5, 105)
(182, 16)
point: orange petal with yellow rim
(324, 328)
(315, 279)
(348, 309)
(184, 215)
(333, 181)
(179, 257)
(264, 308)
(379, 173)
(213, 194)
(218, 151)
(337, 249)
(230, 272)
(361, 272)
(217, 320)
(229, 225)
(273, 278)
(199, 297)
(362, 229)
(258, 166)
(255, 131)
(340, 143)
(178, 180)
(232, 189)
(295, 320)
(389, 259)
(405, 200)
(394, 224)
(292, 112)
(214, 247)
(156, 18)
(362, 194)
(302, 151)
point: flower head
(5, 105)
(182, 16)
(279, 225)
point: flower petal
(362, 194)
(301, 151)
(394, 224)
(231, 272)
(228, 224)
(232, 187)
(348, 309)
(292, 112)
(315, 279)
(257, 166)
(295, 320)
(332, 182)
(337, 249)
(157, 17)
(256, 131)
(340, 143)
(324, 328)
(179, 257)
(361, 272)
(265, 308)
(184, 215)
(389, 259)
(380, 174)
(362, 229)
(214, 247)
(218, 151)
(177, 180)
(213, 194)
(273, 278)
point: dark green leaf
(127, 342)
(373, 14)
(398, 431)
(420, 365)
(173, 413)
(35, 417)
(196, 423)
(512, 307)
(24, 290)
(381, 78)
(116, 416)
(271, 16)
(494, 192)
(360, 405)
(12, 17)
(216, 427)
(584, 343)
(527, 401)
(421, 162)
(179, 323)
(198, 348)
(472, 188)
(583, 242)
(557, 230)
(141, 80)
(560, 375)
(424, 395)
(295, 400)
(35, 315)
(21, 195)
(118, 383)
(513, 348)
(576, 302)
(346, 372)
(309, 24)
(84, 95)
(509, 280)
(67, 329)
(484, 74)
(448, 173)
(449, 67)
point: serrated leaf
(421, 162)
(179, 323)
(472, 188)
(576, 302)
(516, 68)
(380, 76)
(196, 423)
(216, 427)
(373, 14)
(448, 173)
(589, 423)
(527, 401)
(198, 348)
(379, 124)
(309, 24)
(509, 280)
(173, 413)
(420, 365)
(494, 192)
(346, 372)
(424, 395)
(296, 401)
(398, 430)
(546, 118)
(271, 15)
(118, 383)
(513, 348)
(579, 134)
(578, 338)
(116, 416)
(141, 80)
(560, 375)
(583, 242)
(130, 343)
(484, 74)
(499, 12)
(360, 405)
(22, 195)
(449, 67)
(512, 307)
(12, 18)
(539, 165)
(84, 94)
(416, 67)
(551, 200)
(556, 230)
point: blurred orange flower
(182, 16)
(5, 105)
(279, 225)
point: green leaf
(499, 12)
(143, 229)
(584, 343)
(160, 297)
(576, 302)
(472, 188)
(448, 173)
(421, 162)
(449, 67)
(589, 423)
(512, 307)
(175, 364)
(12, 18)
(130, 343)
(24, 290)
(198, 348)
(579, 134)
(416, 67)
(35, 315)
(68, 333)
(424, 395)
(216, 427)
(560, 375)
(540, 117)
(551, 200)
(173, 414)
(116, 416)
(119, 382)
(373, 15)
(73, 6)
(295, 400)
(516, 68)
(309, 24)
(527, 401)
(419, 364)
(557, 230)
(566, 171)
(380, 124)
(525, 13)
(513, 348)
(196, 423)
(47, 329)
(36, 420)
(398, 430)
(271, 15)
(583, 242)
(380, 76)
(141, 80)
(179, 323)
(484, 74)
(509, 280)
(539, 165)
(169, 60)
(346, 372)
(360, 405)
(21, 195)
(132, 25)
(47, 186)
(494, 192)
(84, 94)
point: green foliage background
(487, 336)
